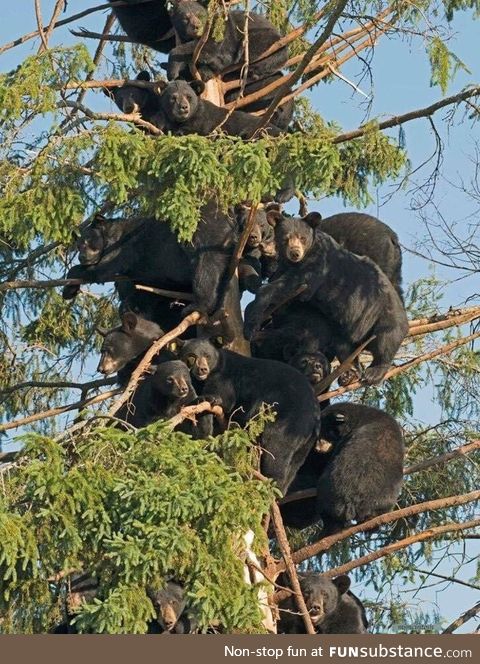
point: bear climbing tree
(164, 168)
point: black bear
(148, 252)
(161, 395)
(170, 604)
(349, 290)
(241, 384)
(314, 366)
(365, 235)
(164, 311)
(133, 99)
(294, 328)
(283, 114)
(333, 608)
(364, 473)
(123, 346)
(147, 23)
(189, 19)
(185, 113)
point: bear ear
(273, 217)
(313, 219)
(143, 76)
(129, 321)
(159, 87)
(339, 418)
(102, 331)
(198, 87)
(218, 341)
(342, 583)
(175, 346)
(273, 205)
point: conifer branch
(309, 54)
(56, 385)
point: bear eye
(170, 379)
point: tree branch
(92, 385)
(118, 117)
(189, 412)
(191, 319)
(411, 115)
(430, 533)
(395, 371)
(309, 54)
(471, 613)
(53, 412)
(326, 543)
(443, 458)
(290, 567)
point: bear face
(201, 357)
(124, 343)
(179, 100)
(261, 235)
(322, 595)
(294, 237)
(172, 379)
(130, 98)
(92, 242)
(188, 18)
(314, 366)
(169, 604)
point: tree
(135, 507)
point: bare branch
(411, 115)
(471, 613)
(53, 412)
(292, 572)
(189, 412)
(56, 385)
(327, 542)
(118, 117)
(430, 533)
(395, 371)
(443, 458)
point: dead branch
(442, 322)
(326, 543)
(411, 115)
(191, 319)
(38, 15)
(309, 54)
(430, 533)
(443, 458)
(450, 579)
(118, 117)
(471, 613)
(395, 371)
(84, 387)
(290, 567)
(344, 366)
(416, 468)
(57, 24)
(189, 412)
(53, 412)
(174, 295)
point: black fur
(365, 235)
(147, 23)
(350, 291)
(364, 474)
(189, 18)
(333, 608)
(132, 99)
(240, 385)
(147, 251)
(185, 113)
(170, 605)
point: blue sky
(401, 77)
